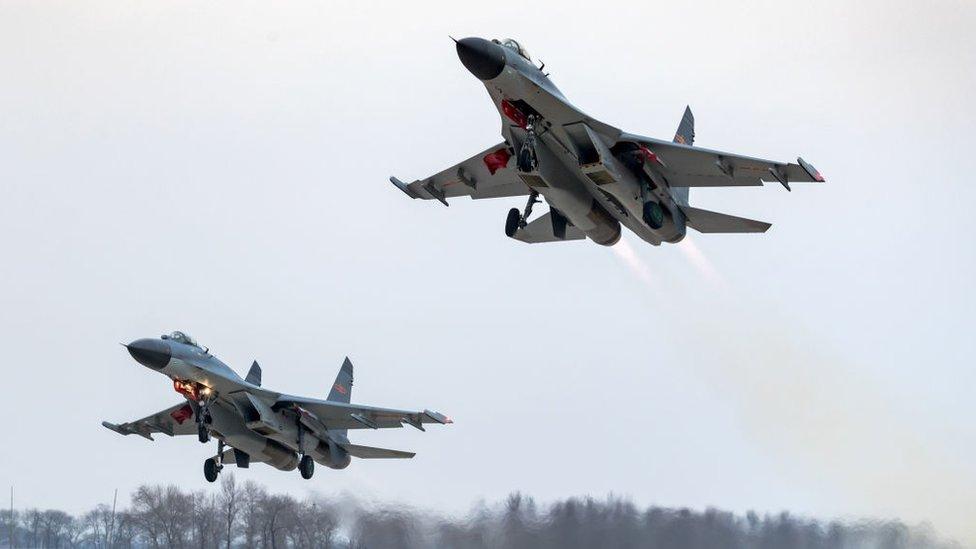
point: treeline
(246, 515)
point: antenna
(10, 522)
(110, 535)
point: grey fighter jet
(594, 176)
(254, 424)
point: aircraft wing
(488, 174)
(339, 415)
(687, 166)
(173, 421)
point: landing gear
(306, 467)
(203, 420)
(211, 470)
(213, 466)
(517, 220)
(512, 222)
(202, 433)
(527, 160)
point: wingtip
(814, 173)
(403, 187)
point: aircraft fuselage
(576, 172)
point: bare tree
(10, 529)
(251, 517)
(32, 527)
(229, 505)
(251, 505)
(315, 525)
(277, 518)
(206, 524)
(164, 515)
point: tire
(210, 470)
(512, 222)
(306, 467)
(654, 215)
(202, 433)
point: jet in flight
(254, 424)
(594, 177)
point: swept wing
(488, 174)
(173, 421)
(340, 415)
(687, 166)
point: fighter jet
(594, 177)
(254, 424)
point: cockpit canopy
(181, 337)
(514, 46)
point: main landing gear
(305, 466)
(212, 466)
(516, 219)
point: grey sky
(221, 168)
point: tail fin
(342, 388)
(685, 136)
(254, 374)
(686, 129)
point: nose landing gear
(527, 160)
(204, 419)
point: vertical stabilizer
(686, 129)
(685, 136)
(342, 388)
(254, 374)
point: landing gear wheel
(202, 433)
(512, 222)
(210, 470)
(653, 215)
(306, 467)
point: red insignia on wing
(341, 389)
(182, 414)
(497, 160)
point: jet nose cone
(484, 59)
(150, 352)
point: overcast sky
(221, 168)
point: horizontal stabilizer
(545, 229)
(370, 452)
(705, 221)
